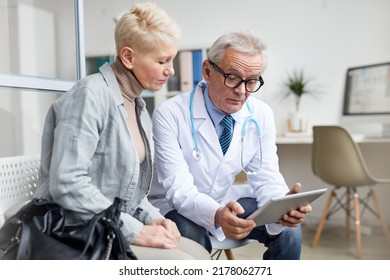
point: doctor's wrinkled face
(230, 100)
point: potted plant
(298, 85)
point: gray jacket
(88, 156)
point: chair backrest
(337, 159)
(18, 181)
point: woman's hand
(160, 233)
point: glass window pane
(22, 116)
(39, 38)
(99, 26)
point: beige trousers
(187, 250)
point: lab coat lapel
(204, 125)
(206, 129)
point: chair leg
(322, 222)
(347, 212)
(357, 225)
(216, 254)
(229, 254)
(380, 213)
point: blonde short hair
(144, 26)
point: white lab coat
(196, 189)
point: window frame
(49, 84)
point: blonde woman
(96, 143)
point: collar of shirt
(215, 114)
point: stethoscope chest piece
(196, 153)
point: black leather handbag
(38, 232)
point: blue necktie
(227, 133)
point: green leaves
(298, 84)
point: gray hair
(245, 42)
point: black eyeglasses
(233, 81)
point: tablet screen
(276, 207)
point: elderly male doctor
(193, 176)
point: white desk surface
(305, 139)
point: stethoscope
(196, 152)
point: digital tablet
(276, 207)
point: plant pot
(297, 122)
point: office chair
(337, 160)
(226, 245)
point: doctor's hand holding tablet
(288, 210)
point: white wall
(325, 37)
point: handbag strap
(110, 218)
(14, 240)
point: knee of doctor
(190, 229)
(249, 204)
(290, 237)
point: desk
(358, 138)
